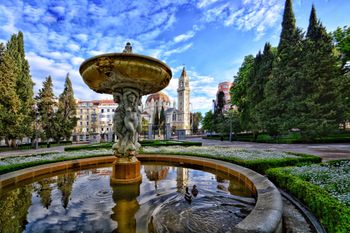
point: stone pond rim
(105, 72)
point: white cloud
(178, 50)
(73, 47)
(183, 37)
(205, 3)
(258, 15)
(77, 60)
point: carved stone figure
(127, 121)
(128, 48)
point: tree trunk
(13, 143)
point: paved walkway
(331, 151)
(327, 152)
(34, 151)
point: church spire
(183, 73)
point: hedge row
(340, 137)
(154, 143)
(333, 214)
(261, 165)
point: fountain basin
(108, 72)
(265, 217)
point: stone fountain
(127, 76)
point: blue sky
(209, 37)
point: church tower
(183, 95)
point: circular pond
(85, 201)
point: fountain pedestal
(127, 77)
(126, 171)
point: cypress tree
(282, 98)
(288, 26)
(322, 111)
(66, 115)
(24, 85)
(10, 116)
(46, 103)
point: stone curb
(265, 217)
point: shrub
(333, 214)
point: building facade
(95, 121)
(225, 88)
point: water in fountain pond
(85, 201)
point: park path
(34, 151)
(330, 151)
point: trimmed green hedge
(14, 167)
(293, 137)
(333, 214)
(154, 143)
(261, 165)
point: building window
(87, 117)
(81, 110)
(102, 110)
(107, 129)
(87, 123)
(81, 137)
(81, 123)
(107, 110)
(113, 110)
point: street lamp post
(36, 126)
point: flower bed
(9, 164)
(258, 160)
(324, 188)
(154, 143)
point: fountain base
(126, 171)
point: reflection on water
(85, 201)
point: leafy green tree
(341, 37)
(14, 209)
(321, 110)
(207, 122)
(65, 184)
(65, 117)
(196, 118)
(239, 90)
(46, 103)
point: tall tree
(24, 85)
(162, 120)
(220, 98)
(65, 117)
(10, 116)
(196, 118)
(238, 91)
(207, 122)
(46, 103)
(341, 37)
(156, 121)
(282, 100)
(322, 108)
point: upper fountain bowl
(108, 72)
